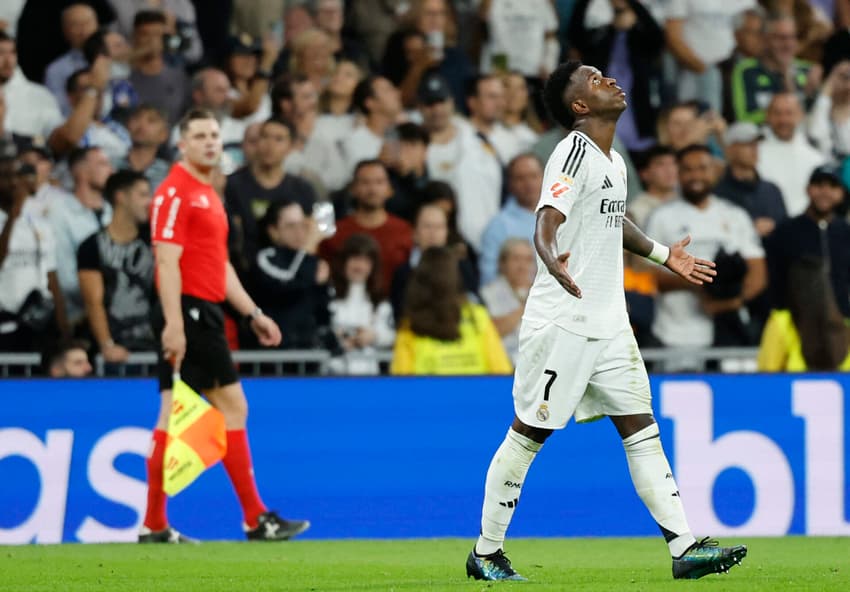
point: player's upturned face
(696, 176)
(600, 94)
(201, 144)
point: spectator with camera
(181, 29)
(291, 282)
(720, 231)
(829, 119)
(30, 298)
(115, 270)
(155, 81)
(440, 53)
(361, 317)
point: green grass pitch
(817, 564)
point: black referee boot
(271, 527)
(167, 535)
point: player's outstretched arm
(676, 258)
(264, 327)
(548, 221)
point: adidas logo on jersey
(606, 184)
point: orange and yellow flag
(196, 438)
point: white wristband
(659, 253)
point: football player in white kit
(577, 354)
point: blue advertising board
(406, 457)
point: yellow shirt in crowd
(478, 351)
(781, 350)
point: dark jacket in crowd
(761, 199)
(645, 41)
(286, 289)
(799, 237)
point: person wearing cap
(741, 183)
(818, 232)
(457, 156)
(249, 67)
(785, 155)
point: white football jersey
(586, 186)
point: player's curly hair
(553, 94)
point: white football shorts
(560, 374)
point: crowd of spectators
(383, 160)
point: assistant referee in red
(194, 277)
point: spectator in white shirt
(27, 265)
(521, 37)
(829, 119)
(74, 218)
(79, 21)
(485, 101)
(31, 110)
(317, 145)
(700, 35)
(361, 317)
(10, 10)
(46, 193)
(785, 156)
(519, 120)
(686, 314)
(459, 157)
(249, 67)
(379, 102)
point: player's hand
(696, 271)
(174, 344)
(559, 271)
(266, 331)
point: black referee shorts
(207, 363)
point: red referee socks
(155, 517)
(237, 463)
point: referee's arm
(170, 286)
(265, 328)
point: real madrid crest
(543, 412)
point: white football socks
(502, 489)
(655, 485)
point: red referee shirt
(190, 213)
